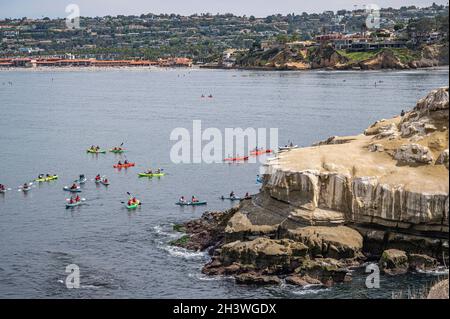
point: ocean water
(49, 117)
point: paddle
(129, 194)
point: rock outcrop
(439, 290)
(325, 56)
(321, 212)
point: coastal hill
(293, 58)
(379, 196)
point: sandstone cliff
(326, 57)
(382, 195)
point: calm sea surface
(48, 118)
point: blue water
(48, 118)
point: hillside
(326, 57)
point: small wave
(437, 272)
(204, 277)
(160, 231)
(307, 291)
(184, 253)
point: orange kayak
(124, 165)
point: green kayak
(117, 151)
(151, 175)
(190, 203)
(95, 151)
(134, 206)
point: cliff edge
(379, 196)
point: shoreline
(197, 67)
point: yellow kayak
(46, 179)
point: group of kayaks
(98, 150)
(255, 152)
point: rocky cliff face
(327, 57)
(322, 209)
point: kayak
(231, 198)
(234, 159)
(190, 203)
(124, 165)
(25, 189)
(75, 190)
(68, 205)
(260, 152)
(134, 206)
(46, 179)
(95, 151)
(286, 148)
(151, 175)
(81, 181)
(117, 151)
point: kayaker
(25, 186)
(119, 163)
(158, 171)
(97, 178)
(247, 195)
(402, 113)
(182, 200)
(71, 201)
(126, 162)
(2, 187)
(130, 202)
(149, 171)
(77, 199)
(134, 200)
(232, 195)
(74, 186)
(105, 180)
(194, 199)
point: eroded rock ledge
(381, 196)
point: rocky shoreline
(327, 58)
(321, 213)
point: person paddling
(194, 199)
(182, 200)
(2, 187)
(97, 178)
(232, 195)
(77, 199)
(74, 186)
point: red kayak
(124, 165)
(234, 159)
(260, 152)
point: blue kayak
(190, 203)
(68, 189)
